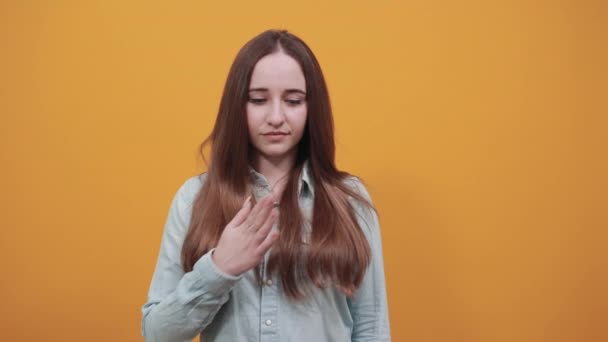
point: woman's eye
(293, 102)
(257, 101)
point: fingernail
(247, 200)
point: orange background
(478, 125)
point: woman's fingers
(259, 213)
(268, 242)
(263, 214)
(250, 236)
(249, 220)
(267, 225)
(242, 214)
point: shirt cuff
(214, 277)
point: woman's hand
(247, 237)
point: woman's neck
(276, 171)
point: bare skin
(276, 104)
(247, 237)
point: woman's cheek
(301, 117)
(255, 116)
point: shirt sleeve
(180, 305)
(369, 306)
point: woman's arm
(369, 306)
(181, 305)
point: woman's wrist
(220, 265)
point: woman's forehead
(277, 71)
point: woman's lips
(275, 136)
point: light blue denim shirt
(228, 308)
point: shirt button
(268, 322)
(269, 282)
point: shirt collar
(305, 180)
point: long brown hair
(338, 252)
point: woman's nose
(276, 115)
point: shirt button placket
(269, 302)
(269, 306)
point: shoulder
(190, 188)
(362, 209)
(365, 212)
(358, 185)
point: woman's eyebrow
(288, 91)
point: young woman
(273, 243)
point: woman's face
(276, 108)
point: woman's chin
(276, 152)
